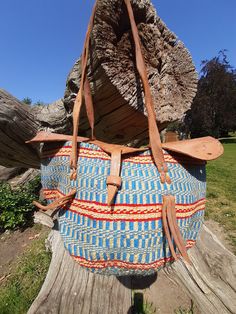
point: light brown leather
(79, 99)
(174, 228)
(165, 206)
(171, 228)
(44, 137)
(114, 180)
(204, 148)
(154, 136)
(59, 202)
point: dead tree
(120, 118)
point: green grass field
(221, 186)
(27, 276)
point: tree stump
(68, 288)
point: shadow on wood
(69, 288)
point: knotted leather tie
(58, 203)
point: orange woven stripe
(131, 212)
(90, 153)
(121, 264)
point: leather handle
(84, 87)
(154, 136)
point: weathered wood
(209, 282)
(115, 84)
(20, 122)
(9, 173)
(17, 125)
(24, 178)
(71, 289)
(53, 117)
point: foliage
(221, 185)
(39, 103)
(16, 205)
(27, 101)
(179, 127)
(25, 281)
(213, 111)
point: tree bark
(17, 125)
(115, 84)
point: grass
(27, 276)
(221, 186)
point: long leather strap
(79, 99)
(154, 135)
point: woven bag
(124, 210)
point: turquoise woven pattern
(127, 237)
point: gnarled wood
(20, 122)
(115, 84)
(17, 125)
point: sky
(41, 39)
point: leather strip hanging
(154, 135)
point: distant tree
(39, 103)
(213, 111)
(27, 101)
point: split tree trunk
(115, 84)
(120, 118)
(114, 78)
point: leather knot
(114, 180)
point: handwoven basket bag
(123, 210)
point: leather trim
(203, 148)
(114, 179)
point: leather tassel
(171, 228)
(179, 239)
(166, 227)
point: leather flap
(203, 148)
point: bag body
(126, 237)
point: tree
(27, 101)
(213, 111)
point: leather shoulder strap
(154, 136)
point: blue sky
(40, 40)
